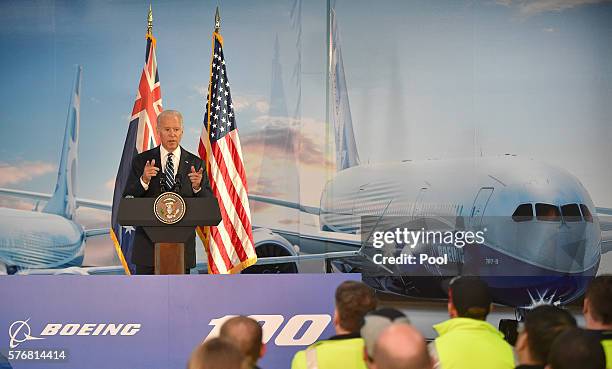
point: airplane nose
(565, 248)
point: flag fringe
(152, 38)
(120, 252)
(236, 269)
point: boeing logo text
(91, 329)
(20, 330)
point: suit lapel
(158, 164)
(183, 164)
(157, 157)
(183, 170)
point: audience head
(246, 334)
(469, 297)
(216, 353)
(353, 301)
(542, 325)
(576, 348)
(597, 307)
(374, 323)
(401, 346)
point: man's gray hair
(170, 113)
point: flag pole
(150, 21)
(204, 232)
(227, 251)
(217, 20)
(123, 238)
(149, 34)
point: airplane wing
(605, 222)
(96, 232)
(286, 204)
(94, 204)
(604, 211)
(38, 196)
(101, 205)
(606, 242)
(320, 241)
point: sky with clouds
(426, 79)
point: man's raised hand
(195, 178)
(150, 170)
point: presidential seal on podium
(169, 207)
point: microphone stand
(177, 185)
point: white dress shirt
(176, 160)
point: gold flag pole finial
(150, 21)
(217, 20)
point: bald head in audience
(401, 346)
(216, 353)
(247, 335)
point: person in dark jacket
(597, 310)
(576, 348)
(164, 168)
(542, 325)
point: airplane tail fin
(346, 147)
(63, 200)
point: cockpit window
(571, 213)
(523, 213)
(548, 212)
(586, 213)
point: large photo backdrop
(354, 117)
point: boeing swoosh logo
(20, 332)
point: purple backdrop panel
(77, 300)
(155, 321)
(280, 301)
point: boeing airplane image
(50, 238)
(543, 235)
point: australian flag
(141, 136)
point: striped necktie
(169, 171)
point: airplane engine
(270, 244)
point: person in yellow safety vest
(467, 341)
(597, 310)
(344, 350)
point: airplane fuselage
(540, 231)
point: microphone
(177, 184)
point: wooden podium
(169, 239)
(169, 258)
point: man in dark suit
(164, 168)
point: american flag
(229, 246)
(141, 136)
